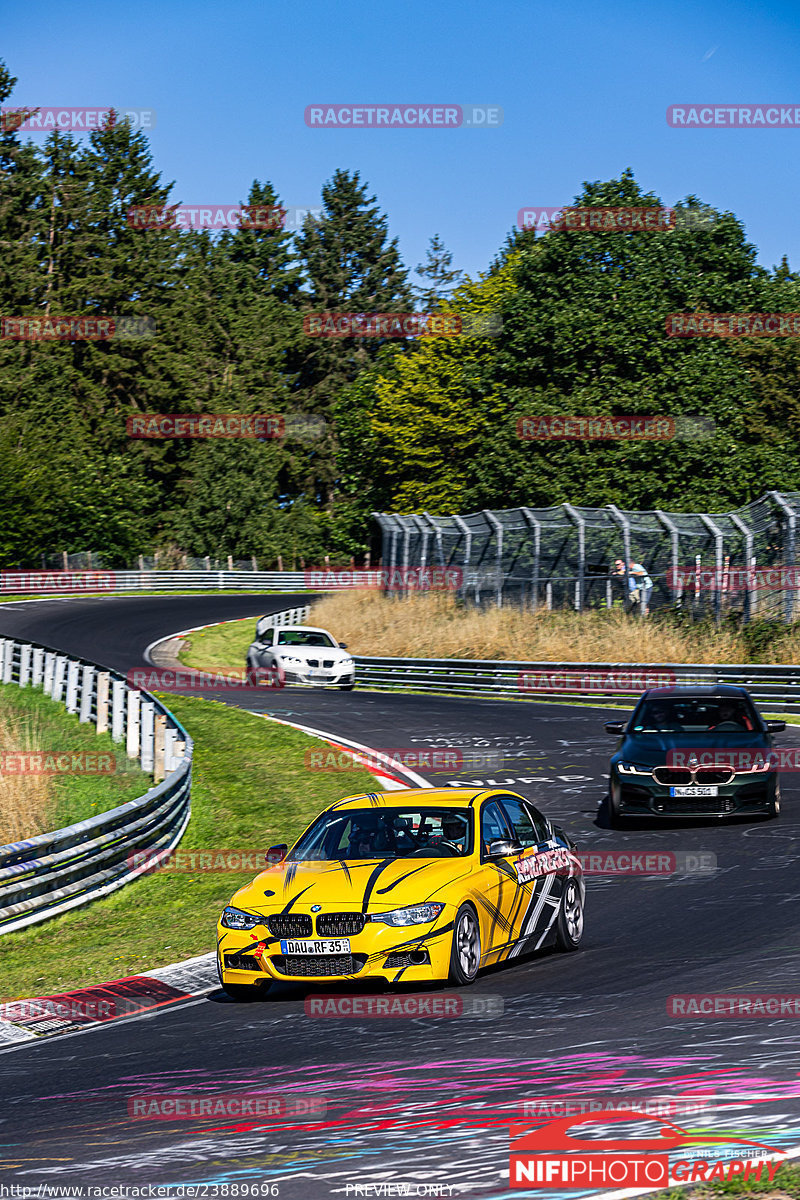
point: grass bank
(250, 790)
(34, 802)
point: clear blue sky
(584, 88)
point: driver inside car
(454, 831)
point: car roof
(698, 690)
(429, 797)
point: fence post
(87, 687)
(169, 749)
(58, 676)
(25, 665)
(49, 669)
(498, 529)
(8, 660)
(159, 747)
(103, 680)
(117, 709)
(72, 686)
(147, 758)
(38, 666)
(134, 705)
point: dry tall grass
(433, 626)
(26, 801)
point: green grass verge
(75, 797)
(220, 649)
(250, 789)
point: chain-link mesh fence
(570, 556)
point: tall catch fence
(563, 557)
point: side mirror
(617, 727)
(502, 847)
(276, 855)
(342, 645)
(776, 726)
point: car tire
(569, 926)
(465, 954)
(774, 809)
(346, 687)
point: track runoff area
(679, 1011)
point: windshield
(364, 833)
(304, 637)
(696, 714)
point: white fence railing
(52, 873)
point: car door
(539, 870)
(497, 886)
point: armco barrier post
(72, 686)
(133, 738)
(147, 735)
(103, 680)
(117, 709)
(87, 688)
(8, 661)
(159, 747)
(25, 665)
(58, 677)
(38, 667)
(170, 761)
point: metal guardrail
(77, 582)
(52, 873)
(287, 616)
(601, 683)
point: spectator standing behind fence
(640, 585)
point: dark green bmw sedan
(694, 752)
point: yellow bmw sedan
(414, 885)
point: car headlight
(345, 662)
(628, 768)
(234, 918)
(417, 914)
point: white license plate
(317, 671)
(322, 946)
(694, 791)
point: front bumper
(413, 953)
(327, 678)
(747, 794)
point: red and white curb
(388, 773)
(91, 1007)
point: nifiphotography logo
(550, 1156)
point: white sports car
(300, 654)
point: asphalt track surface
(426, 1102)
